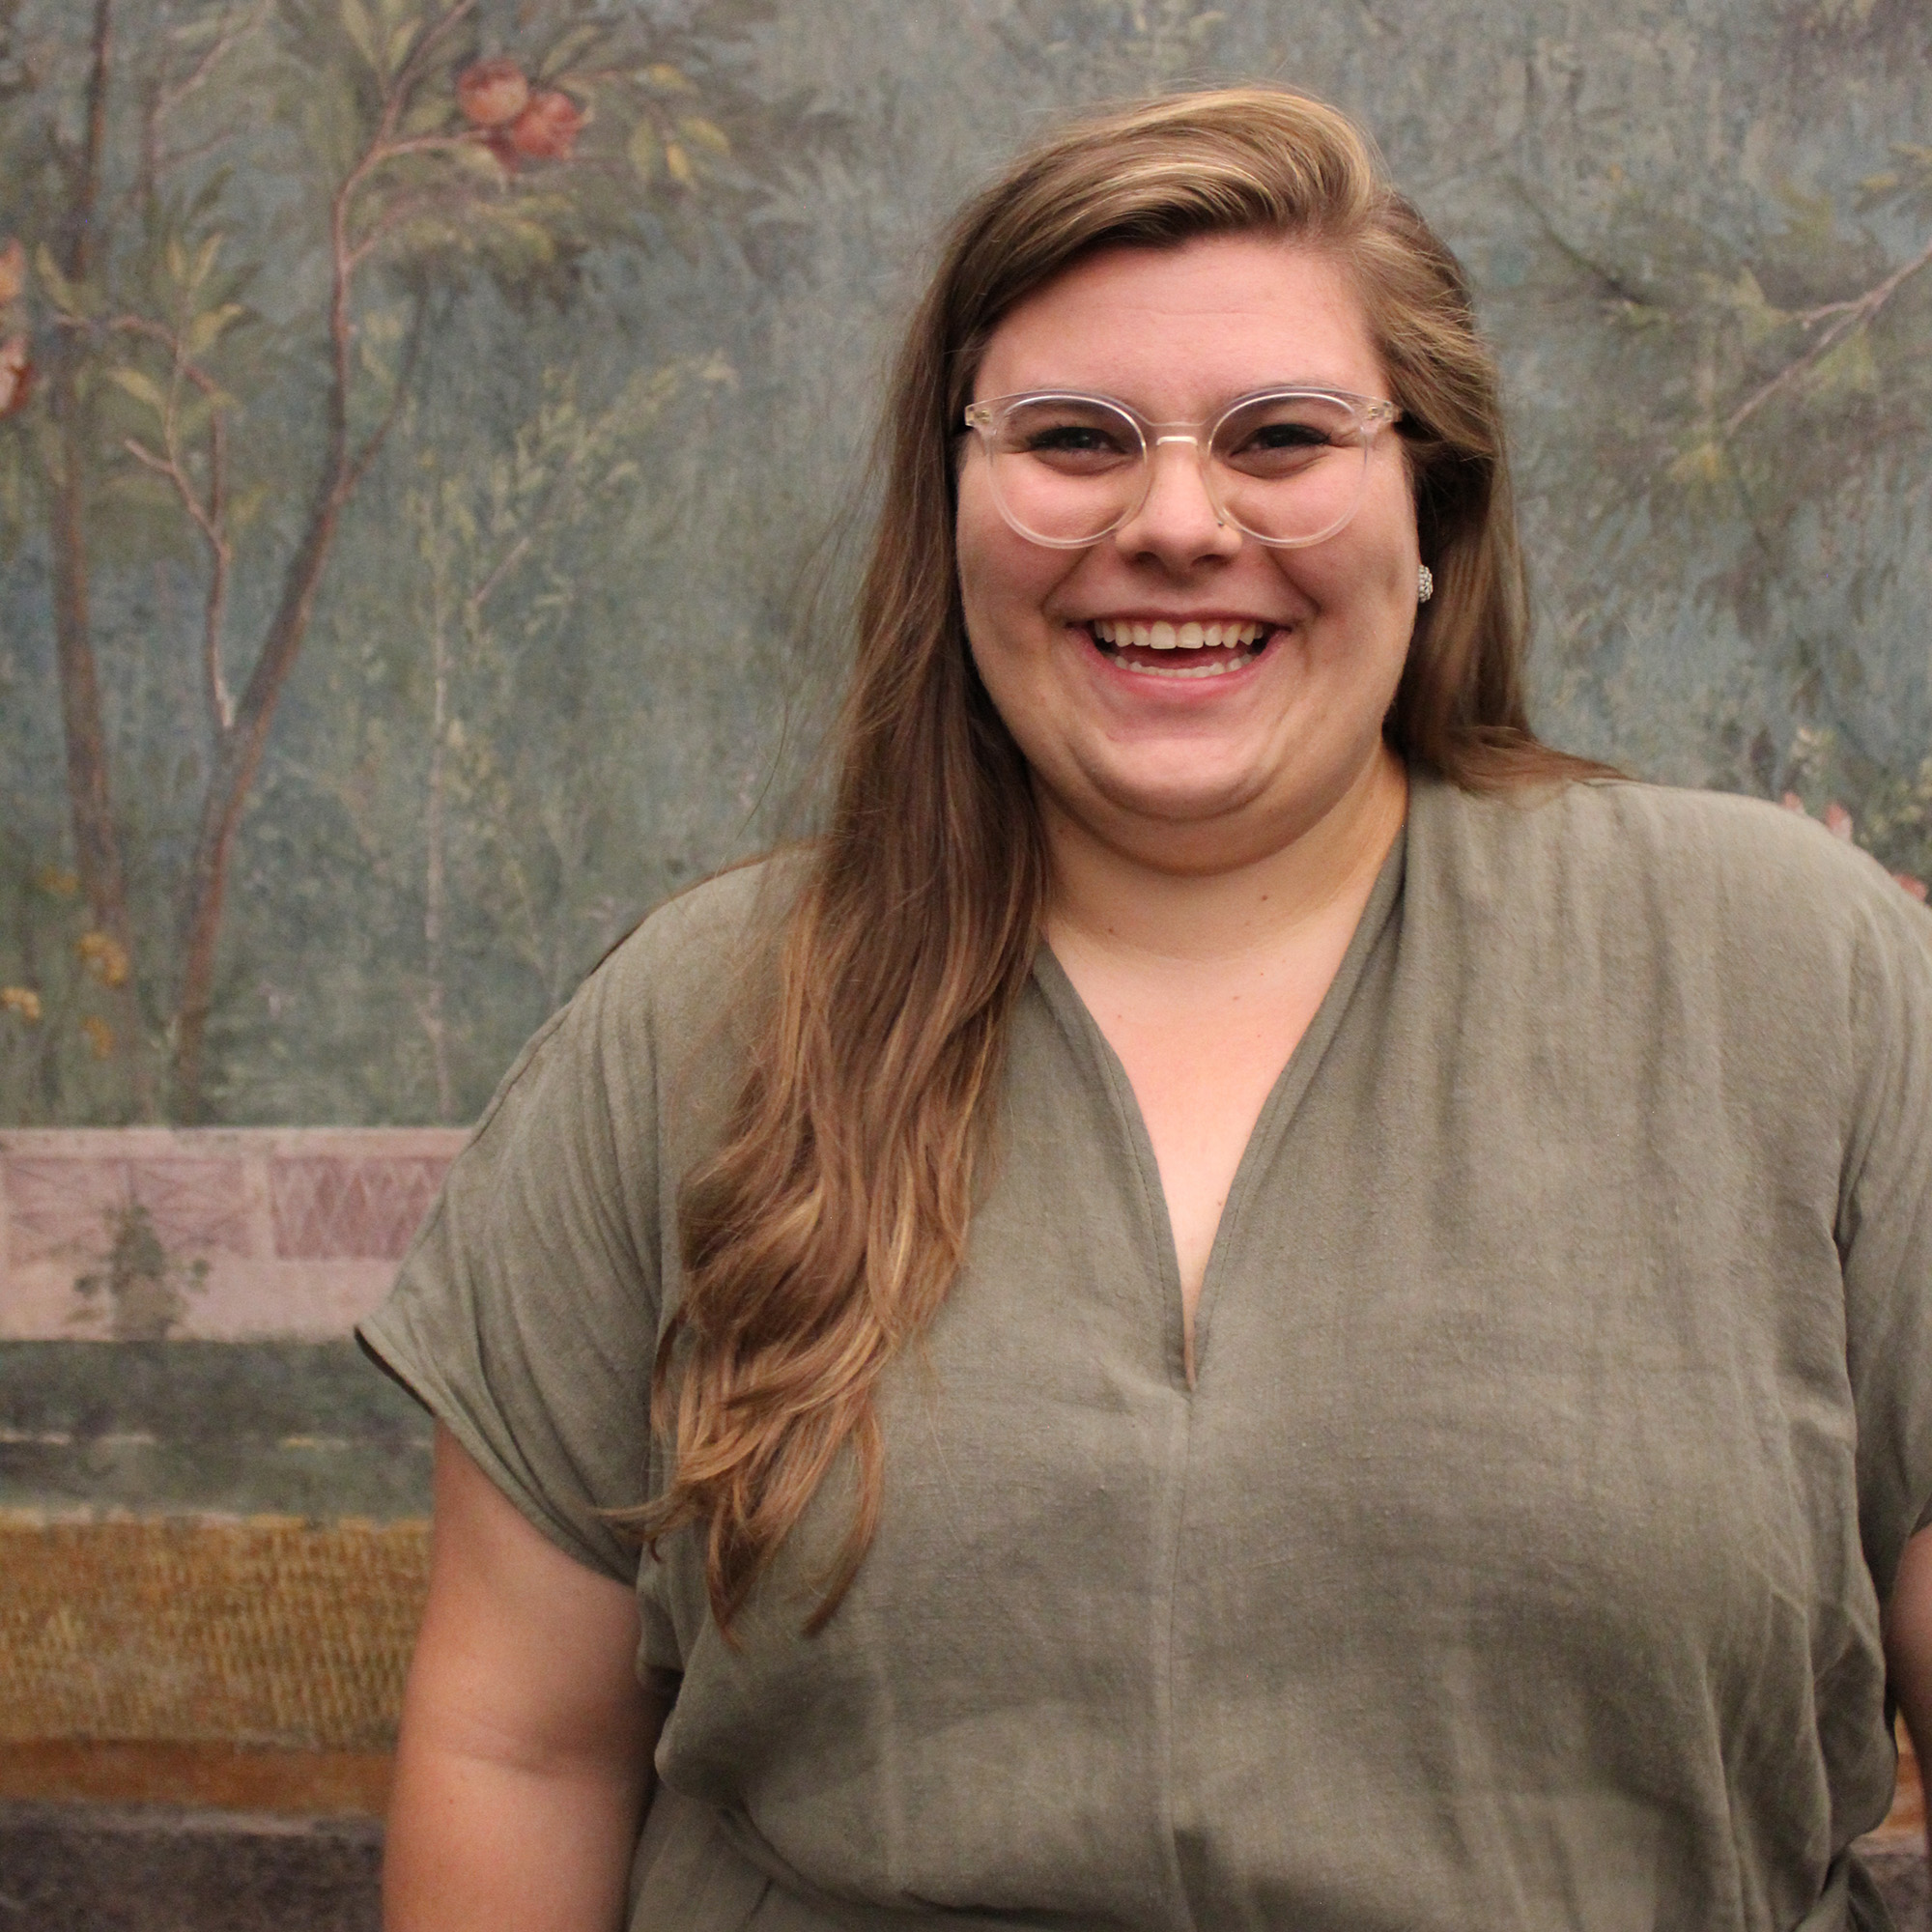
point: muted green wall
(636, 414)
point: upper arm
(523, 1763)
(1908, 1640)
(525, 1315)
(525, 1656)
(1884, 1226)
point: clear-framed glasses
(1287, 467)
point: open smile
(1185, 650)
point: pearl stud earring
(1424, 585)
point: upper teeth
(1176, 636)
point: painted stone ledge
(133, 1620)
(210, 1234)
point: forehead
(1177, 330)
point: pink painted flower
(17, 374)
(547, 129)
(492, 92)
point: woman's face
(1197, 771)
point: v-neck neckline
(1277, 1111)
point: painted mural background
(421, 420)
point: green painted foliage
(603, 387)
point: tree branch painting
(173, 297)
(432, 457)
(1839, 320)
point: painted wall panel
(431, 457)
(525, 647)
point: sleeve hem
(390, 1356)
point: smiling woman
(1264, 1302)
(1296, 717)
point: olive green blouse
(1515, 1562)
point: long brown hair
(824, 1233)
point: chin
(1182, 800)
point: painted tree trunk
(90, 793)
(237, 759)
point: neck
(1110, 897)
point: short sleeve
(525, 1317)
(1885, 1227)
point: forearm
(476, 1843)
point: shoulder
(1632, 909)
(1681, 864)
(663, 1004)
(1693, 942)
(691, 956)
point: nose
(1177, 523)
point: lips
(1160, 648)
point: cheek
(1005, 582)
(976, 543)
(1394, 508)
(1383, 554)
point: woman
(1274, 1305)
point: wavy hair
(824, 1233)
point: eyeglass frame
(1374, 412)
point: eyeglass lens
(1287, 469)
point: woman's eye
(1283, 436)
(1282, 447)
(1287, 436)
(1071, 439)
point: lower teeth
(1190, 671)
